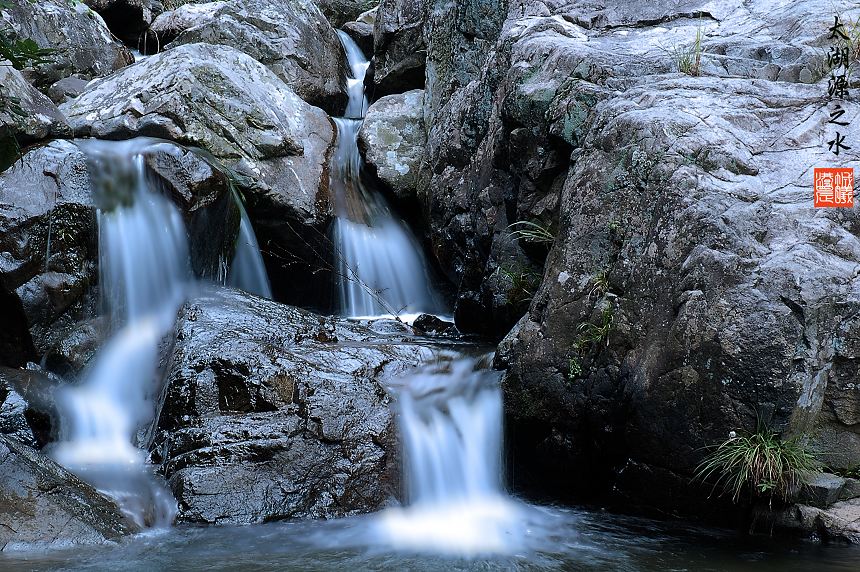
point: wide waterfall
(450, 421)
(145, 276)
(380, 267)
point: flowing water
(144, 276)
(381, 269)
(247, 271)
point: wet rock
(46, 506)
(339, 12)
(79, 37)
(393, 139)
(47, 239)
(822, 490)
(841, 521)
(361, 31)
(13, 418)
(30, 411)
(127, 19)
(399, 50)
(291, 37)
(273, 413)
(429, 324)
(27, 114)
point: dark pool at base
(565, 539)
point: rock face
(291, 37)
(32, 116)
(690, 286)
(399, 51)
(46, 506)
(361, 30)
(81, 40)
(46, 193)
(274, 413)
(393, 140)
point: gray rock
(399, 50)
(27, 114)
(839, 522)
(339, 12)
(822, 490)
(45, 506)
(361, 30)
(13, 416)
(81, 40)
(393, 140)
(272, 412)
(66, 89)
(291, 37)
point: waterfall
(450, 422)
(145, 276)
(380, 267)
(247, 271)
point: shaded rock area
(361, 31)
(399, 51)
(291, 37)
(339, 12)
(128, 20)
(274, 413)
(81, 42)
(46, 506)
(393, 139)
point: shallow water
(557, 539)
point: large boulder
(43, 505)
(399, 49)
(25, 113)
(272, 412)
(79, 38)
(393, 140)
(291, 37)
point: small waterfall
(145, 276)
(247, 271)
(450, 421)
(381, 269)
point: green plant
(688, 59)
(523, 282)
(532, 232)
(760, 464)
(600, 284)
(589, 336)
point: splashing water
(381, 270)
(450, 420)
(145, 276)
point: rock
(429, 324)
(706, 313)
(13, 416)
(29, 413)
(399, 50)
(79, 37)
(839, 522)
(822, 490)
(66, 89)
(291, 37)
(127, 19)
(273, 413)
(339, 12)
(47, 193)
(45, 506)
(27, 114)
(361, 30)
(393, 139)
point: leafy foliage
(760, 464)
(532, 232)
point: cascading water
(247, 271)
(145, 276)
(381, 270)
(450, 420)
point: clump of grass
(589, 336)
(532, 232)
(689, 58)
(523, 281)
(760, 464)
